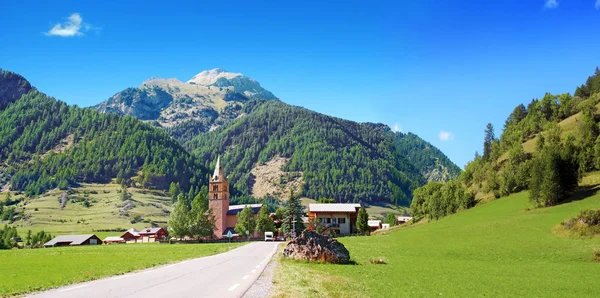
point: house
(218, 201)
(113, 240)
(74, 240)
(385, 226)
(374, 224)
(338, 218)
(404, 219)
(144, 235)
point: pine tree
(487, 142)
(179, 219)
(245, 222)
(264, 222)
(362, 221)
(293, 216)
(174, 191)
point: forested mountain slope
(46, 144)
(341, 159)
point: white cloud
(397, 127)
(446, 136)
(597, 5)
(73, 26)
(551, 4)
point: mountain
(322, 155)
(209, 99)
(271, 147)
(46, 144)
(12, 88)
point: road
(228, 274)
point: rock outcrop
(311, 246)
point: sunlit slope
(496, 249)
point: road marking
(257, 266)
(246, 277)
(73, 288)
(233, 287)
(253, 270)
(169, 266)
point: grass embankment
(27, 270)
(496, 249)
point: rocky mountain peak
(210, 77)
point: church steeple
(219, 175)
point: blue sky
(440, 69)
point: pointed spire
(219, 174)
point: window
(216, 196)
(93, 241)
(215, 188)
(334, 221)
(342, 220)
(326, 220)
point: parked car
(269, 236)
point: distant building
(374, 224)
(337, 217)
(74, 240)
(218, 201)
(385, 226)
(144, 235)
(113, 240)
(404, 219)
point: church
(218, 201)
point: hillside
(499, 249)
(340, 159)
(209, 99)
(506, 164)
(48, 144)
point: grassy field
(44, 213)
(28, 270)
(499, 249)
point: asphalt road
(228, 274)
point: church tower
(218, 198)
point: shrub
(378, 261)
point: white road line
(73, 288)
(169, 266)
(246, 277)
(233, 287)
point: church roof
(235, 209)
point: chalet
(338, 218)
(144, 235)
(74, 240)
(113, 240)
(374, 224)
(404, 219)
(218, 201)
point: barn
(74, 240)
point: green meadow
(27, 270)
(498, 249)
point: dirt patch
(62, 146)
(270, 179)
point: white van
(269, 236)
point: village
(334, 219)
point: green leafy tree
(202, 222)
(179, 225)
(264, 222)
(174, 191)
(245, 222)
(390, 219)
(326, 201)
(124, 193)
(362, 221)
